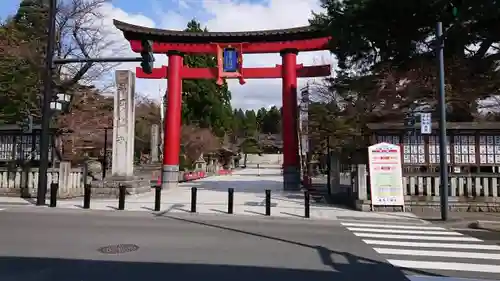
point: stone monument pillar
(155, 137)
(122, 172)
(124, 125)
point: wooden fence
(467, 192)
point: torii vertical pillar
(172, 129)
(291, 165)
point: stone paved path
(249, 198)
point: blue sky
(217, 15)
(152, 8)
(146, 7)
(8, 7)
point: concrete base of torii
(291, 178)
(170, 177)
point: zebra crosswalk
(429, 248)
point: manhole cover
(118, 249)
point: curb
(486, 225)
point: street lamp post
(47, 97)
(328, 167)
(105, 154)
(60, 103)
(146, 58)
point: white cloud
(228, 15)
(170, 19)
(274, 14)
(151, 88)
(183, 4)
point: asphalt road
(492, 237)
(44, 244)
(463, 225)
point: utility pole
(47, 97)
(443, 143)
(443, 161)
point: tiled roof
(135, 32)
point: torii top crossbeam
(296, 40)
(301, 39)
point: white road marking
(416, 237)
(383, 220)
(393, 226)
(470, 229)
(432, 245)
(449, 254)
(404, 231)
(452, 266)
(441, 278)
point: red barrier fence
(223, 172)
(187, 176)
(190, 176)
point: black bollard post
(86, 196)
(157, 198)
(307, 204)
(193, 199)
(53, 194)
(268, 202)
(121, 197)
(230, 200)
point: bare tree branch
(81, 34)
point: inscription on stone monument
(122, 121)
(120, 139)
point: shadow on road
(247, 186)
(339, 266)
(48, 269)
(357, 268)
(258, 188)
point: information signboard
(425, 123)
(230, 56)
(386, 176)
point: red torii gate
(229, 48)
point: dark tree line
(250, 123)
(23, 37)
(387, 64)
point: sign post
(386, 175)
